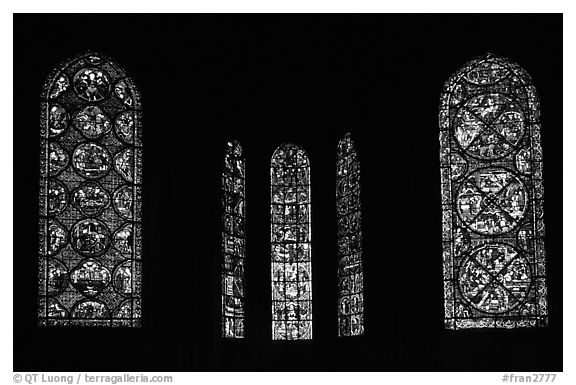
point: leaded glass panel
(90, 196)
(492, 198)
(233, 242)
(291, 244)
(349, 217)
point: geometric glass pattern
(492, 198)
(90, 196)
(233, 242)
(291, 244)
(348, 212)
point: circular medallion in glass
(489, 126)
(90, 237)
(92, 122)
(90, 198)
(91, 84)
(91, 160)
(90, 277)
(494, 278)
(492, 201)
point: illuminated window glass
(348, 211)
(90, 196)
(233, 242)
(291, 246)
(492, 198)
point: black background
(264, 80)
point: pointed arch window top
(492, 198)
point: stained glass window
(233, 242)
(348, 211)
(90, 196)
(291, 244)
(492, 198)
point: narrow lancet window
(291, 244)
(492, 198)
(90, 196)
(349, 218)
(233, 242)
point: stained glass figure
(348, 213)
(291, 244)
(90, 196)
(492, 198)
(233, 242)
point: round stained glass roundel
(91, 84)
(90, 277)
(90, 237)
(494, 278)
(92, 122)
(90, 198)
(489, 126)
(91, 160)
(492, 201)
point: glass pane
(492, 198)
(233, 242)
(349, 217)
(291, 244)
(90, 196)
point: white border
(569, 104)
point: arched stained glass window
(90, 196)
(492, 198)
(348, 211)
(233, 242)
(291, 244)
